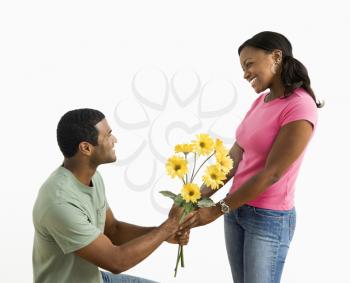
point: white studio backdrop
(162, 71)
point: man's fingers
(175, 211)
(191, 223)
(183, 240)
(179, 233)
(190, 219)
(190, 215)
(184, 235)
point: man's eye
(248, 64)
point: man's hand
(200, 217)
(171, 225)
(176, 212)
(180, 237)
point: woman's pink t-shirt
(256, 135)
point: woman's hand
(202, 216)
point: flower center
(191, 193)
(202, 144)
(213, 176)
(177, 167)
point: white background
(60, 55)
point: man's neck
(81, 170)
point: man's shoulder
(55, 184)
(52, 192)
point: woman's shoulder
(300, 95)
(300, 105)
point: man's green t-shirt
(67, 216)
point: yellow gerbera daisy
(184, 148)
(220, 148)
(204, 144)
(176, 166)
(225, 162)
(191, 192)
(214, 177)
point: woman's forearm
(251, 189)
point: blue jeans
(257, 242)
(122, 278)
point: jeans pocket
(269, 213)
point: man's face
(104, 151)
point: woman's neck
(276, 90)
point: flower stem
(186, 173)
(182, 257)
(194, 166)
(201, 166)
(180, 253)
(177, 259)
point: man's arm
(121, 232)
(236, 153)
(118, 258)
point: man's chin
(111, 160)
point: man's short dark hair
(77, 126)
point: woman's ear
(277, 56)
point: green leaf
(206, 202)
(168, 194)
(179, 200)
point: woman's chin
(259, 90)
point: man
(75, 230)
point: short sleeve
(302, 109)
(70, 227)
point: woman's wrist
(217, 211)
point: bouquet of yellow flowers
(178, 166)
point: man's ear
(86, 148)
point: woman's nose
(246, 75)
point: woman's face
(258, 67)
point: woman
(270, 144)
